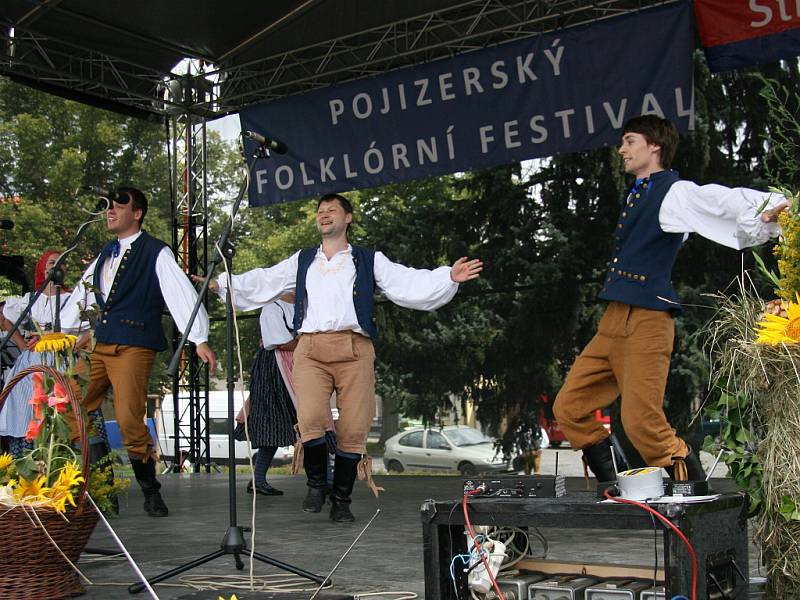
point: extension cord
(478, 579)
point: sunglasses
(119, 197)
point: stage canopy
(122, 55)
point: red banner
(726, 21)
(740, 33)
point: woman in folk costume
(17, 412)
(271, 414)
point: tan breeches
(629, 357)
(125, 369)
(343, 361)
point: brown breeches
(628, 357)
(341, 361)
(125, 369)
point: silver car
(455, 448)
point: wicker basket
(30, 565)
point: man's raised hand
(206, 354)
(771, 215)
(213, 286)
(464, 269)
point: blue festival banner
(564, 91)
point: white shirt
(178, 292)
(727, 216)
(274, 320)
(329, 288)
(43, 311)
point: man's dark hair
(343, 202)
(137, 199)
(658, 131)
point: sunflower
(55, 342)
(61, 492)
(70, 475)
(6, 460)
(775, 329)
(31, 491)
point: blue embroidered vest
(131, 315)
(640, 270)
(363, 288)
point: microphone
(96, 191)
(274, 145)
(103, 197)
(6, 224)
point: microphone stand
(233, 540)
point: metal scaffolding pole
(190, 244)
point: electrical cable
(510, 543)
(475, 542)
(475, 565)
(509, 536)
(465, 558)
(402, 595)
(739, 571)
(264, 583)
(671, 525)
(655, 550)
(450, 539)
(545, 544)
(718, 585)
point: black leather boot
(686, 469)
(598, 458)
(315, 463)
(145, 473)
(100, 457)
(345, 471)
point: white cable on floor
(263, 583)
(402, 595)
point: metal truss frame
(190, 384)
(438, 34)
(472, 25)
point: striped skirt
(272, 415)
(17, 412)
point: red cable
(672, 526)
(477, 546)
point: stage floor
(387, 558)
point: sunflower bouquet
(45, 518)
(755, 352)
(49, 475)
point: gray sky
(228, 127)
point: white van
(217, 427)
